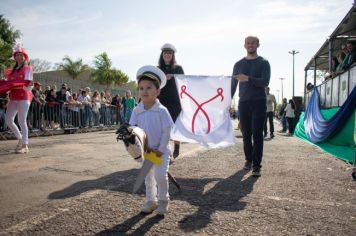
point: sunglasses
(168, 52)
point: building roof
(346, 30)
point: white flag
(205, 116)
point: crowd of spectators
(343, 60)
(60, 109)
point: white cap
(168, 46)
(152, 72)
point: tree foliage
(105, 74)
(8, 36)
(120, 77)
(72, 67)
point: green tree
(105, 74)
(73, 68)
(120, 77)
(8, 36)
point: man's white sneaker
(162, 207)
(149, 207)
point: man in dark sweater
(253, 72)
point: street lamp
(282, 86)
(293, 52)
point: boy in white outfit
(151, 116)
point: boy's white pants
(19, 107)
(156, 181)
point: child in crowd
(130, 103)
(154, 119)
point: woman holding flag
(169, 94)
(20, 79)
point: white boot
(149, 207)
(162, 207)
(23, 149)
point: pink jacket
(24, 75)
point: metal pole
(277, 95)
(305, 86)
(293, 74)
(330, 55)
(315, 71)
(282, 86)
(293, 52)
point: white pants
(19, 107)
(156, 181)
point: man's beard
(251, 53)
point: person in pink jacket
(20, 97)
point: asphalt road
(80, 184)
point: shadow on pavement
(121, 181)
(125, 226)
(224, 195)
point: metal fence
(53, 117)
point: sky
(208, 34)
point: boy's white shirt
(156, 122)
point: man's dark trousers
(252, 120)
(269, 117)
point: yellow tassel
(152, 157)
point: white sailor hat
(152, 72)
(168, 46)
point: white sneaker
(23, 149)
(149, 207)
(18, 146)
(162, 207)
